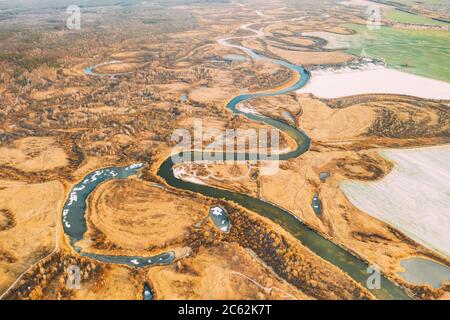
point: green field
(425, 2)
(404, 17)
(422, 52)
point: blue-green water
(288, 116)
(234, 57)
(316, 204)
(74, 221)
(91, 70)
(147, 293)
(421, 271)
(220, 218)
(324, 176)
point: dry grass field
(58, 123)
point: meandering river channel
(341, 258)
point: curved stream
(354, 267)
(75, 224)
(74, 220)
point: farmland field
(404, 17)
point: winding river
(354, 267)
(74, 220)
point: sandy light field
(382, 80)
(33, 154)
(414, 197)
(305, 58)
(137, 216)
(27, 225)
(226, 271)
